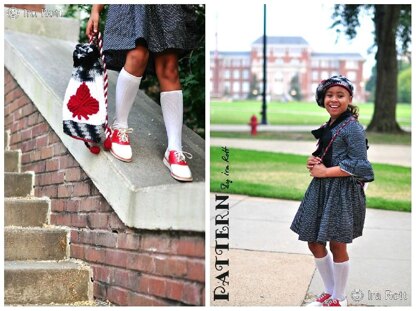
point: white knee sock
(126, 91)
(172, 109)
(341, 271)
(325, 268)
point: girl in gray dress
(333, 208)
(135, 34)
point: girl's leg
(323, 261)
(341, 269)
(128, 83)
(171, 98)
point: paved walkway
(389, 154)
(269, 266)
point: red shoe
(335, 303)
(175, 161)
(319, 301)
(120, 144)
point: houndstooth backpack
(84, 112)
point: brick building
(291, 62)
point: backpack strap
(336, 134)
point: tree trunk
(386, 20)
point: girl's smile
(336, 101)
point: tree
(295, 90)
(391, 23)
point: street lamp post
(264, 105)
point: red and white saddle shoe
(120, 144)
(176, 162)
(335, 303)
(319, 301)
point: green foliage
(192, 77)
(404, 83)
(82, 12)
(191, 67)
(347, 17)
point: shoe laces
(322, 296)
(182, 155)
(122, 134)
(331, 301)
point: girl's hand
(312, 161)
(319, 171)
(92, 25)
(93, 22)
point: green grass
(291, 113)
(373, 138)
(284, 176)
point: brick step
(35, 243)
(12, 161)
(45, 282)
(18, 184)
(26, 212)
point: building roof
(356, 56)
(282, 40)
(231, 53)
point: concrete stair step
(35, 243)
(26, 212)
(18, 184)
(6, 139)
(43, 283)
(12, 161)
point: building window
(236, 87)
(324, 64)
(334, 64)
(315, 63)
(324, 75)
(315, 75)
(227, 74)
(352, 75)
(246, 74)
(351, 64)
(295, 62)
(236, 74)
(295, 51)
(246, 87)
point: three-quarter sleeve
(356, 162)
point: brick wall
(131, 267)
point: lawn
(283, 176)
(373, 138)
(291, 113)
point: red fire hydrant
(253, 124)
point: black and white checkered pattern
(86, 132)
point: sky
(239, 25)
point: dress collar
(318, 133)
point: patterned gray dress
(334, 208)
(157, 27)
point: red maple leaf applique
(82, 104)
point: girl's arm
(321, 171)
(93, 22)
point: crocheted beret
(333, 81)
